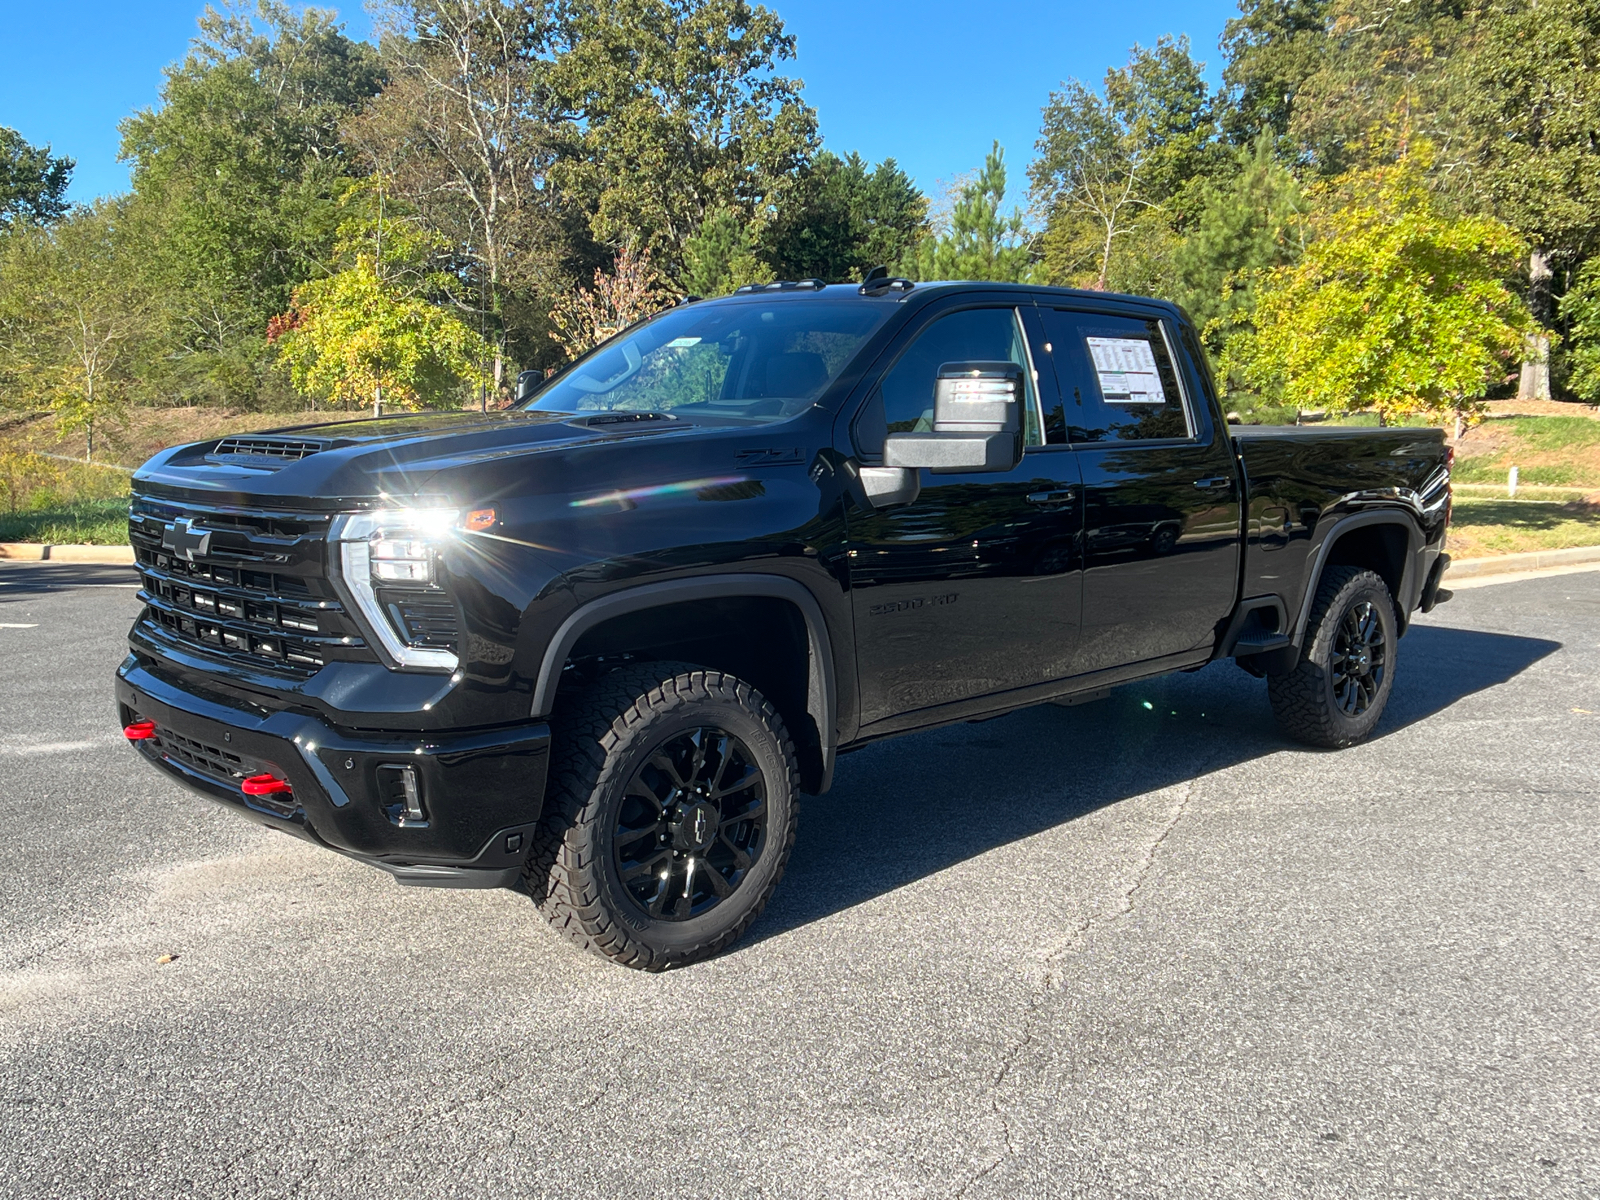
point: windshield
(743, 360)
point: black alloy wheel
(670, 813)
(1360, 659)
(692, 823)
(1336, 692)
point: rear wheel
(1337, 691)
(671, 813)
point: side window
(1117, 378)
(903, 400)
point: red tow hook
(139, 731)
(265, 785)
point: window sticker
(682, 343)
(1127, 369)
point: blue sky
(930, 82)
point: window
(736, 360)
(1117, 378)
(903, 400)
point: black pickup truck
(595, 647)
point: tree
(465, 130)
(1103, 160)
(841, 219)
(1393, 306)
(1580, 312)
(677, 114)
(1382, 65)
(976, 242)
(1530, 95)
(718, 259)
(237, 174)
(1247, 224)
(1272, 48)
(381, 329)
(583, 318)
(33, 182)
(74, 321)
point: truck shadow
(21, 580)
(905, 809)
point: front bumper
(481, 791)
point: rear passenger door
(1161, 507)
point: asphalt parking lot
(1138, 948)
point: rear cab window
(1118, 381)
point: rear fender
(1410, 580)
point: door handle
(1063, 496)
(1216, 481)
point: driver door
(974, 588)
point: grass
(1554, 451)
(1483, 528)
(91, 522)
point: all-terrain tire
(604, 737)
(1307, 700)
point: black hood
(337, 462)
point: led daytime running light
(391, 546)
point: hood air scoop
(276, 450)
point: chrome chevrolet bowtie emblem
(184, 540)
(700, 825)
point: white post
(1511, 483)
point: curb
(1505, 564)
(43, 552)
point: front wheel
(671, 813)
(1337, 691)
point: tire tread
(590, 728)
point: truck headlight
(394, 547)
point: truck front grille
(247, 587)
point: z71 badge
(900, 606)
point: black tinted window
(903, 399)
(1117, 378)
(742, 360)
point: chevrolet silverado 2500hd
(596, 646)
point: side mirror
(977, 422)
(527, 383)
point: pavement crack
(1123, 899)
(1054, 978)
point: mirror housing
(977, 422)
(527, 383)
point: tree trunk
(1534, 383)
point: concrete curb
(1505, 564)
(42, 552)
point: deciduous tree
(75, 320)
(840, 219)
(1146, 141)
(237, 175)
(466, 132)
(1394, 305)
(381, 330)
(678, 114)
